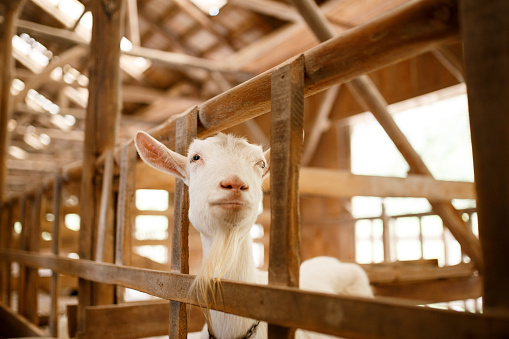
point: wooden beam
(11, 10)
(341, 184)
(287, 92)
(272, 8)
(50, 33)
(326, 313)
(101, 127)
(182, 61)
(134, 28)
(487, 66)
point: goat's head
(224, 175)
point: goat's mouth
(230, 204)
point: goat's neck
(242, 268)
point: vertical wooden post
(23, 236)
(185, 133)
(126, 197)
(101, 126)
(32, 285)
(287, 91)
(10, 10)
(5, 242)
(484, 27)
(58, 213)
(386, 235)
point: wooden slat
(101, 126)
(105, 210)
(326, 313)
(58, 213)
(487, 66)
(125, 210)
(186, 133)
(286, 149)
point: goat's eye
(261, 163)
(196, 158)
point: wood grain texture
(326, 313)
(287, 87)
(186, 133)
(487, 74)
(101, 127)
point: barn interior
(403, 164)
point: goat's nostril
(234, 183)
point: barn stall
(80, 78)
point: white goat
(224, 175)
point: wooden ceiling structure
(191, 57)
(180, 67)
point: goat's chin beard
(226, 246)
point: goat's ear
(158, 156)
(266, 154)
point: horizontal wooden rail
(326, 313)
(337, 183)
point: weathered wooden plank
(101, 125)
(326, 313)
(185, 134)
(487, 68)
(10, 10)
(105, 210)
(125, 210)
(287, 128)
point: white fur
(224, 175)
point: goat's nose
(234, 183)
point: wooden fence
(103, 268)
